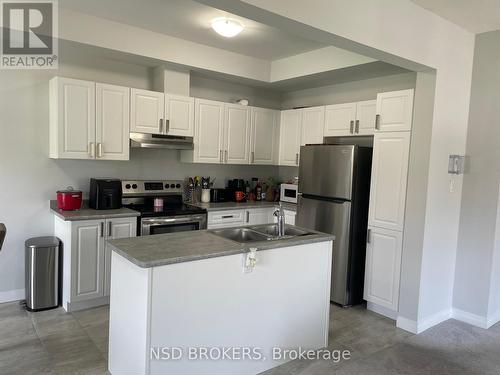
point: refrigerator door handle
(351, 127)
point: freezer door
(330, 217)
(326, 171)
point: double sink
(259, 233)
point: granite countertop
(241, 205)
(86, 213)
(164, 249)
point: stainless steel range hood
(160, 141)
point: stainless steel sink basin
(272, 230)
(258, 233)
(243, 235)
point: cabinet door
(383, 267)
(257, 216)
(236, 134)
(290, 128)
(226, 219)
(72, 119)
(313, 125)
(365, 117)
(112, 122)
(116, 228)
(389, 178)
(87, 260)
(264, 145)
(146, 111)
(208, 132)
(179, 112)
(339, 119)
(290, 217)
(394, 111)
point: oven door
(172, 224)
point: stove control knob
(127, 186)
(178, 186)
(172, 186)
(134, 186)
(167, 186)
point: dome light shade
(227, 27)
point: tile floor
(54, 342)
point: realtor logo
(29, 34)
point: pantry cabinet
(86, 258)
(389, 180)
(383, 267)
(394, 111)
(88, 120)
(264, 137)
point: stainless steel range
(161, 207)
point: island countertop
(163, 249)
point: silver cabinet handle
(351, 127)
(161, 126)
(356, 129)
(167, 126)
(220, 157)
(225, 156)
(110, 228)
(92, 150)
(368, 235)
(252, 157)
(99, 150)
(102, 228)
(377, 122)
(248, 216)
(227, 216)
(297, 159)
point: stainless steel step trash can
(42, 273)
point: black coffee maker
(105, 193)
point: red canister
(69, 199)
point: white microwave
(289, 193)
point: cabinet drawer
(226, 217)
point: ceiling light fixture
(227, 27)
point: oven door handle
(157, 221)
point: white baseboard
(469, 318)
(493, 319)
(12, 295)
(418, 327)
(388, 313)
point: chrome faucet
(280, 214)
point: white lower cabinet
(290, 217)
(383, 269)
(87, 259)
(240, 218)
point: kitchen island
(198, 303)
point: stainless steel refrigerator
(334, 185)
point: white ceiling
(476, 16)
(190, 20)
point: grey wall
(480, 189)
(348, 92)
(29, 179)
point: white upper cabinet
(72, 119)
(313, 125)
(236, 134)
(394, 111)
(365, 117)
(264, 136)
(112, 122)
(383, 267)
(147, 109)
(389, 179)
(340, 119)
(290, 133)
(208, 135)
(179, 114)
